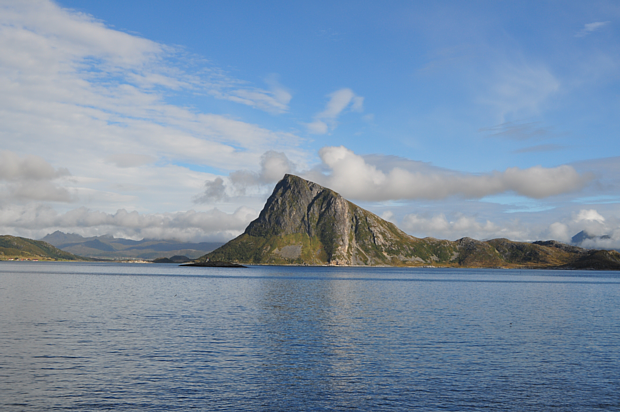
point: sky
(175, 120)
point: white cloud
(130, 159)
(338, 102)
(439, 226)
(605, 232)
(317, 127)
(215, 191)
(590, 221)
(589, 215)
(560, 232)
(355, 178)
(36, 25)
(68, 81)
(275, 100)
(36, 221)
(609, 241)
(388, 215)
(40, 191)
(273, 167)
(13, 168)
(31, 178)
(591, 27)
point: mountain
(173, 259)
(109, 247)
(13, 247)
(304, 223)
(582, 236)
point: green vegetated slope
(12, 247)
(304, 223)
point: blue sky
(175, 120)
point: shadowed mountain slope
(304, 223)
(108, 247)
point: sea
(157, 337)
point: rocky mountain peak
(320, 224)
(296, 206)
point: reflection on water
(157, 337)
(315, 338)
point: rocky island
(304, 223)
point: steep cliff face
(305, 223)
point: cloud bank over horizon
(36, 221)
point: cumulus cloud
(37, 220)
(589, 215)
(14, 168)
(591, 27)
(560, 232)
(31, 178)
(354, 177)
(215, 191)
(273, 167)
(338, 102)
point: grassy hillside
(12, 247)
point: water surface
(96, 336)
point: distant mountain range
(13, 247)
(304, 223)
(108, 247)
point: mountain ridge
(304, 223)
(109, 247)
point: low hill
(108, 247)
(13, 247)
(173, 259)
(304, 223)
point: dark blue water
(89, 336)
